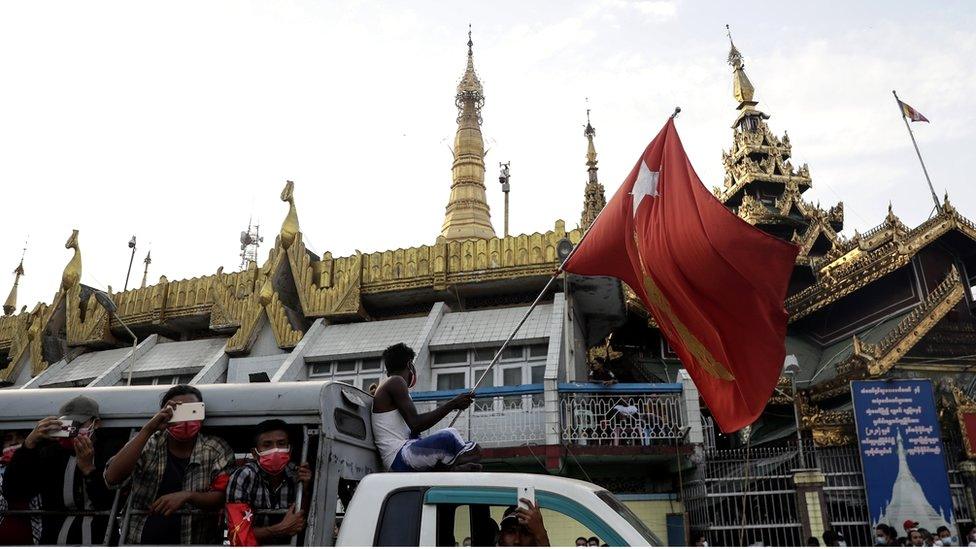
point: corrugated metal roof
(363, 338)
(88, 366)
(180, 355)
(491, 326)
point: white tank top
(390, 432)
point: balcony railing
(500, 416)
(636, 414)
(622, 414)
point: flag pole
(555, 275)
(498, 354)
(901, 111)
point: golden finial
(289, 227)
(10, 305)
(891, 218)
(742, 88)
(469, 89)
(72, 271)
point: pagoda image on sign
(908, 500)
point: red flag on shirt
(240, 525)
(714, 283)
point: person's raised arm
(417, 422)
(120, 467)
(20, 480)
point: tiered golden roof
(761, 184)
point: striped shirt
(250, 484)
(210, 456)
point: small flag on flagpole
(910, 113)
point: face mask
(184, 430)
(275, 460)
(412, 380)
(8, 454)
(880, 539)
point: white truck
(352, 502)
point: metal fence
(501, 421)
(739, 499)
(588, 415)
(629, 419)
(723, 485)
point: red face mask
(184, 430)
(8, 454)
(275, 460)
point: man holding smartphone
(173, 467)
(57, 461)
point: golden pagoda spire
(72, 271)
(742, 89)
(10, 305)
(467, 214)
(594, 198)
(289, 227)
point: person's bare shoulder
(386, 394)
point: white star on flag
(646, 185)
(247, 516)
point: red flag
(240, 525)
(715, 284)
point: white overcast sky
(177, 121)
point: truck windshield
(630, 517)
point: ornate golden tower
(467, 211)
(594, 198)
(761, 183)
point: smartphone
(190, 411)
(67, 429)
(526, 492)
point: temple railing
(624, 414)
(636, 414)
(500, 416)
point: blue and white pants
(423, 454)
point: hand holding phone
(526, 492)
(188, 411)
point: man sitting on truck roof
(172, 466)
(57, 462)
(397, 424)
(270, 481)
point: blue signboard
(901, 454)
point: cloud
(179, 122)
(657, 10)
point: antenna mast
(251, 240)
